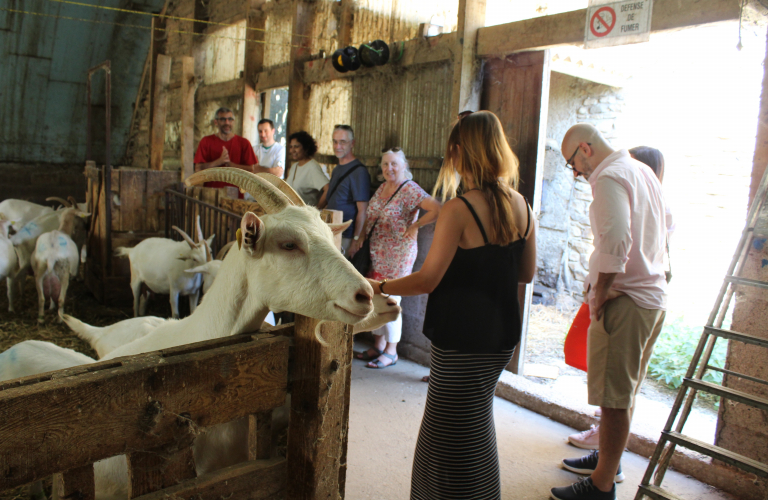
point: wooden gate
(151, 406)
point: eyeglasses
(392, 150)
(573, 156)
(227, 119)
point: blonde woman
(392, 213)
(484, 245)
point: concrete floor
(385, 414)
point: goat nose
(363, 297)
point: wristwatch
(356, 237)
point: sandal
(365, 356)
(377, 363)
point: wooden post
(760, 159)
(260, 436)
(346, 22)
(298, 91)
(156, 47)
(75, 483)
(317, 433)
(467, 68)
(188, 88)
(334, 217)
(254, 64)
(160, 91)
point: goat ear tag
(239, 237)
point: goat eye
(290, 246)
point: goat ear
(199, 269)
(340, 228)
(251, 230)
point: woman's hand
(354, 247)
(412, 231)
(375, 285)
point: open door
(516, 88)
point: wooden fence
(151, 406)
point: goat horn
(186, 237)
(283, 186)
(208, 251)
(64, 202)
(223, 252)
(72, 200)
(200, 237)
(271, 199)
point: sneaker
(583, 490)
(587, 464)
(587, 440)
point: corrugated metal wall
(330, 103)
(394, 20)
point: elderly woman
(392, 213)
(306, 176)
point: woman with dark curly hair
(306, 176)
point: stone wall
(565, 238)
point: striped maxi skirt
(456, 455)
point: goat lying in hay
(285, 261)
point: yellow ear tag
(239, 237)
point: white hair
(401, 155)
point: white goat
(285, 261)
(106, 339)
(160, 263)
(25, 241)
(19, 212)
(54, 261)
(8, 260)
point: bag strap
(342, 180)
(387, 203)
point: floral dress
(392, 253)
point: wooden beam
(568, 28)
(188, 89)
(317, 433)
(75, 483)
(298, 90)
(760, 158)
(256, 22)
(346, 22)
(272, 79)
(160, 91)
(417, 51)
(156, 47)
(467, 73)
(215, 91)
(256, 480)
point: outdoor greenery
(674, 350)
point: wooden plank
(118, 409)
(153, 470)
(216, 91)
(299, 90)
(333, 217)
(160, 91)
(157, 182)
(103, 250)
(133, 199)
(467, 74)
(156, 47)
(417, 51)
(76, 483)
(256, 23)
(346, 22)
(255, 480)
(188, 89)
(568, 28)
(317, 433)
(260, 436)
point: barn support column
(467, 68)
(298, 90)
(159, 111)
(188, 88)
(256, 22)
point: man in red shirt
(224, 149)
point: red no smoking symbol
(602, 21)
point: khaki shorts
(619, 347)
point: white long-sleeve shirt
(628, 218)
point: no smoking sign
(618, 23)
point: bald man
(626, 292)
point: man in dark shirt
(350, 186)
(224, 148)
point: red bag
(575, 347)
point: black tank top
(475, 308)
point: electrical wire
(148, 28)
(176, 18)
